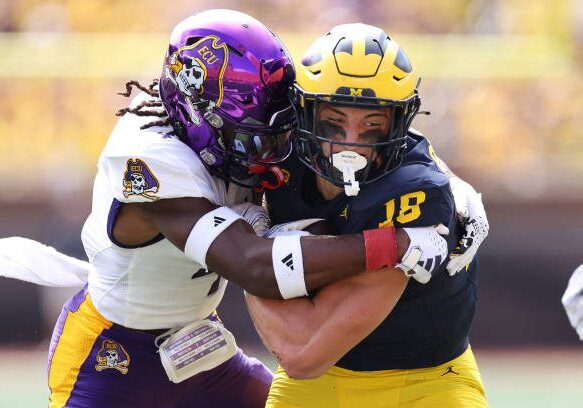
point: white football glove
(291, 228)
(255, 215)
(427, 250)
(573, 301)
(472, 215)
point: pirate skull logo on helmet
(188, 77)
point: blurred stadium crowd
(503, 82)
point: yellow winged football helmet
(355, 65)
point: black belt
(151, 332)
(156, 332)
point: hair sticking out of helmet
(354, 66)
(224, 85)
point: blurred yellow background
(503, 80)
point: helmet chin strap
(270, 177)
(349, 162)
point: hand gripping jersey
(154, 285)
(430, 323)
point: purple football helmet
(225, 85)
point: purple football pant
(96, 364)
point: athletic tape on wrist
(206, 230)
(381, 248)
(288, 266)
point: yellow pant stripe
(80, 331)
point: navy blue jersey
(430, 323)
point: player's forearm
(218, 239)
(249, 264)
(329, 259)
(309, 336)
(289, 330)
(343, 314)
(284, 326)
(325, 260)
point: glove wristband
(206, 230)
(380, 247)
(288, 266)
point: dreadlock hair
(141, 109)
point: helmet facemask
(356, 66)
(318, 139)
(250, 149)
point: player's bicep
(174, 218)
(162, 190)
(217, 238)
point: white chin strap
(349, 162)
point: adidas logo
(289, 261)
(430, 263)
(200, 273)
(218, 220)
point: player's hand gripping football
(258, 217)
(427, 250)
(472, 215)
(291, 228)
(255, 215)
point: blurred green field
(534, 378)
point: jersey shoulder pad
(148, 165)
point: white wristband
(206, 230)
(288, 266)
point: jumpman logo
(449, 370)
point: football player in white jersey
(166, 233)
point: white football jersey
(152, 286)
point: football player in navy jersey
(372, 340)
